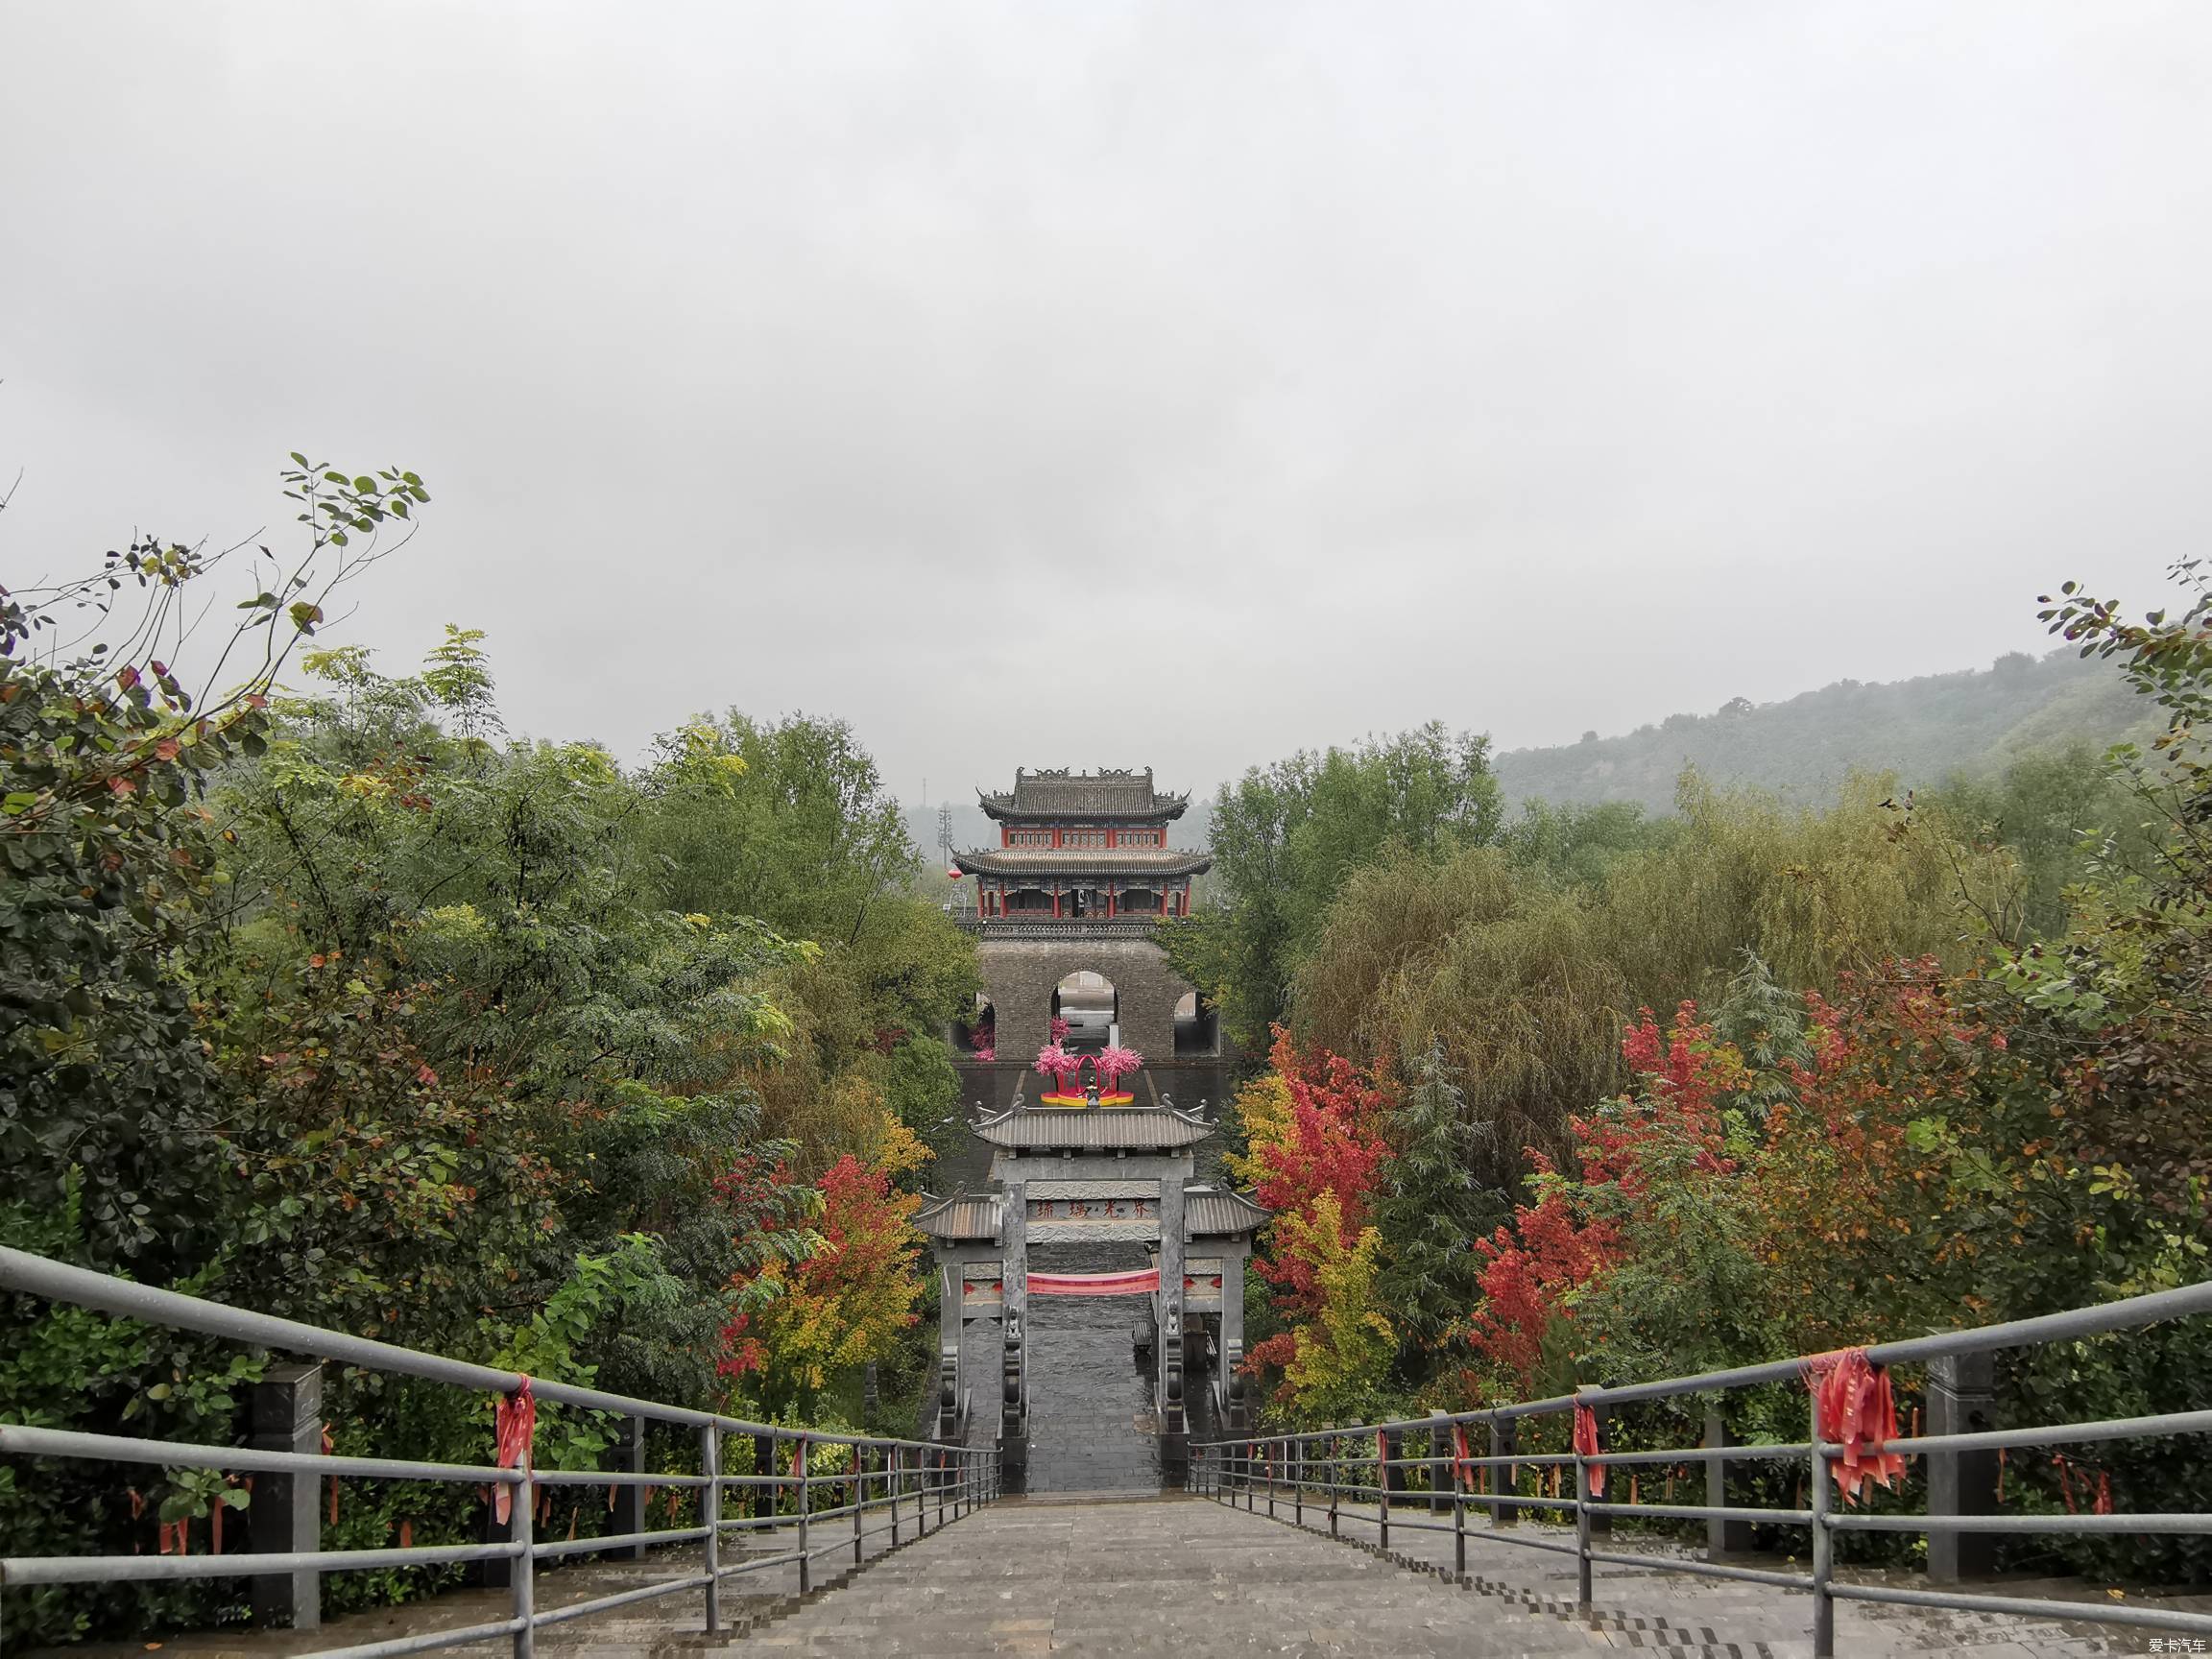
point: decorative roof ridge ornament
(1167, 1102)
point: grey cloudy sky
(1181, 383)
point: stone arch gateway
(1020, 976)
(1081, 878)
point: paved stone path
(1682, 1611)
(1156, 1577)
(1158, 1574)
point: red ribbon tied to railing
(514, 1423)
(1586, 1445)
(1462, 1460)
(1854, 1407)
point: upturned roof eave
(1083, 860)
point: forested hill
(1925, 729)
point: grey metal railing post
(859, 1497)
(1823, 1543)
(523, 1513)
(1385, 1447)
(1333, 1485)
(1298, 1482)
(798, 1469)
(1504, 1478)
(286, 1519)
(710, 1518)
(894, 1485)
(1962, 1400)
(1582, 1561)
(1272, 1446)
(1459, 1517)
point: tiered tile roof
(1086, 795)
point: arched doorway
(1197, 1026)
(1090, 1006)
(979, 1033)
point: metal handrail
(1296, 1463)
(916, 1475)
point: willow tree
(1815, 895)
(1499, 970)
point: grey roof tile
(1101, 1129)
(1067, 794)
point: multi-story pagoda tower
(1075, 846)
(1067, 903)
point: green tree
(1508, 975)
(1286, 838)
(1431, 1209)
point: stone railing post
(1389, 1447)
(1439, 1464)
(626, 1456)
(286, 1515)
(1722, 1537)
(1962, 1400)
(1504, 1478)
(1600, 1524)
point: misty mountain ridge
(1925, 729)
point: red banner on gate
(1139, 1284)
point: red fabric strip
(1139, 1284)
(1855, 1406)
(514, 1425)
(1586, 1445)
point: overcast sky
(1091, 384)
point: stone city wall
(1021, 974)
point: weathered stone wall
(1020, 976)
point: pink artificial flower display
(1057, 1063)
(1115, 1064)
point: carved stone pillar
(1174, 1435)
(1014, 1384)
